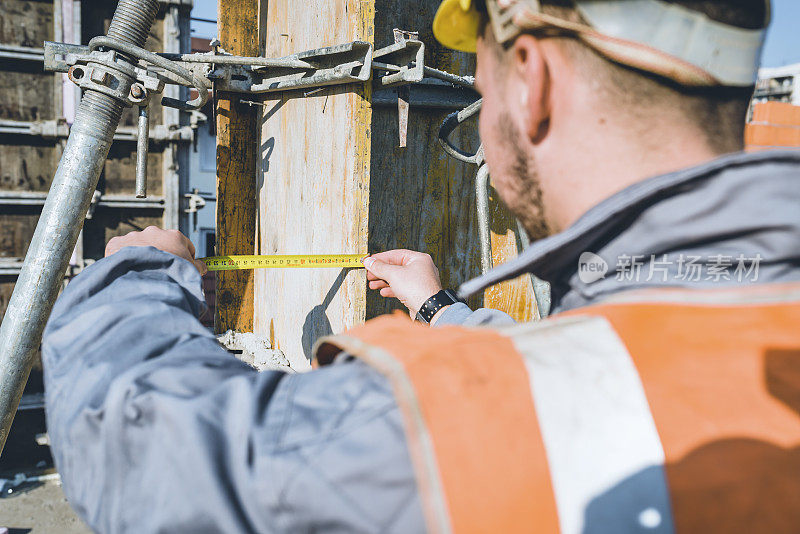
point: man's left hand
(171, 241)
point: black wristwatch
(443, 298)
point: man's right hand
(409, 276)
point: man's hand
(409, 276)
(171, 241)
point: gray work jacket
(155, 428)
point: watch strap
(431, 307)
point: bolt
(137, 91)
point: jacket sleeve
(461, 315)
(155, 428)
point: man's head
(564, 125)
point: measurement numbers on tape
(302, 261)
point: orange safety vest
(659, 411)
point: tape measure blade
(307, 261)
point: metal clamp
(182, 75)
(86, 67)
(195, 201)
(403, 63)
(105, 73)
(347, 63)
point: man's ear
(532, 80)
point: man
(669, 410)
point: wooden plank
(108, 223)
(237, 152)
(26, 22)
(119, 170)
(421, 199)
(26, 167)
(17, 224)
(6, 289)
(315, 192)
(26, 93)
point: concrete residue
(255, 351)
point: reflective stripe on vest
(670, 411)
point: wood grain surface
(314, 188)
(237, 152)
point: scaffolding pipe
(62, 216)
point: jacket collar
(744, 204)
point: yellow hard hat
(456, 25)
(655, 36)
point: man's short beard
(529, 207)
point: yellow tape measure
(301, 261)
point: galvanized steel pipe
(142, 141)
(62, 217)
(482, 204)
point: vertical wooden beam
(237, 152)
(316, 172)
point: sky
(782, 48)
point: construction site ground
(42, 509)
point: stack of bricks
(774, 125)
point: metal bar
(10, 266)
(142, 143)
(26, 198)
(158, 133)
(60, 130)
(482, 202)
(262, 62)
(173, 164)
(428, 94)
(62, 216)
(21, 53)
(32, 401)
(158, 203)
(464, 81)
(53, 51)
